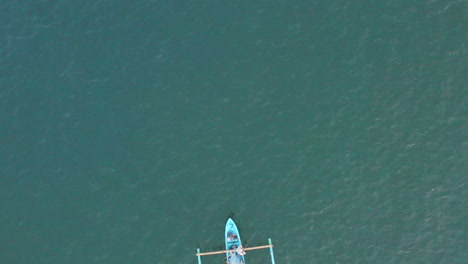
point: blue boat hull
(233, 241)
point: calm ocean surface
(130, 130)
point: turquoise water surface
(130, 130)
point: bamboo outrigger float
(234, 250)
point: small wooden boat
(234, 250)
(233, 242)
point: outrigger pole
(270, 246)
(271, 251)
(198, 256)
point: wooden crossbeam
(232, 250)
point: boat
(234, 250)
(233, 242)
